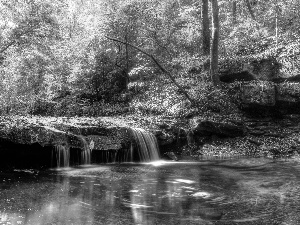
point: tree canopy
(50, 49)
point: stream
(227, 191)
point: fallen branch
(166, 72)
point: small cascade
(61, 155)
(146, 147)
(85, 154)
(143, 148)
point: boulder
(261, 93)
(206, 127)
(171, 155)
(266, 68)
(164, 138)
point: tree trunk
(214, 51)
(205, 28)
(234, 12)
(127, 62)
(250, 9)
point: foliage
(50, 47)
(211, 100)
(156, 98)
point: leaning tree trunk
(214, 51)
(162, 69)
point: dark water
(233, 191)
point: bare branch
(7, 46)
(11, 43)
(158, 65)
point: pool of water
(231, 191)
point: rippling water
(232, 191)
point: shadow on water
(235, 191)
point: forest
(112, 57)
(149, 112)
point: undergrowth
(160, 97)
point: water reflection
(218, 192)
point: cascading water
(143, 148)
(85, 154)
(146, 146)
(61, 155)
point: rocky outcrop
(264, 68)
(262, 93)
(209, 127)
(100, 135)
(289, 92)
(267, 98)
(63, 142)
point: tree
(248, 4)
(29, 30)
(214, 51)
(205, 28)
(234, 12)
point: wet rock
(210, 213)
(163, 125)
(171, 155)
(165, 139)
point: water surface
(232, 191)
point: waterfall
(61, 154)
(145, 148)
(85, 154)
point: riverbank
(241, 119)
(178, 138)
